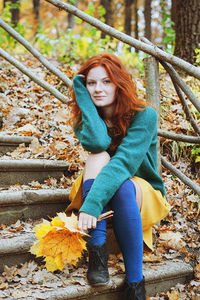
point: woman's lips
(98, 97)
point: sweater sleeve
(124, 164)
(92, 132)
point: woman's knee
(126, 188)
(134, 188)
(126, 196)
(94, 164)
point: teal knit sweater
(135, 156)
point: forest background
(172, 24)
(67, 42)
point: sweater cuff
(78, 78)
(91, 209)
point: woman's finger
(85, 223)
(80, 222)
(94, 222)
(89, 224)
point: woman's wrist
(86, 221)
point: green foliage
(14, 5)
(196, 153)
(169, 33)
(197, 57)
(132, 60)
(184, 150)
(74, 46)
(90, 10)
(72, 2)
(102, 12)
(71, 46)
(6, 41)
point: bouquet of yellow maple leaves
(60, 241)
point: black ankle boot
(134, 291)
(97, 273)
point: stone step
(160, 277)
(34, 204)
(15, 250)
(1, 120)
(26, 170)
(10, 142)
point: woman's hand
(86, 221)
(83, 76)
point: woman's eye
(90, 82)
(107, 81)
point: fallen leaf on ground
(173, 240)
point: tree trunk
(128, 16)
(136, 22)
(147, 16)
(14, 9)
(107, 4)
(173, 11)
(4, 3)
(163, 11)
(36, 8)
(187, 29)
(71, 18)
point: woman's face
(100, 88)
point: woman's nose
(98, 87)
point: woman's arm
(130, 155)
(92, 132)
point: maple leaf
(59, 241)
(173, 240)
(173, 295)
(27, 129)
(197, 272)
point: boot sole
(100, 283)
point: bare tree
(128, 16)
(163, 6)
(107, 4)
(4, 3)
(15, 10)
(36, 8)
(147, 16)
(136, 21)
(187, 28)
(71, 17)
(173, 10)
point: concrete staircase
(41, 203)
(10, 142)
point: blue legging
(127, 225)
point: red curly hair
(127, 101)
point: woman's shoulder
(150, 110)
(148, 114)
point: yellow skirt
(154, 206)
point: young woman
(120, 132)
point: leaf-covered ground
(31, 111)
